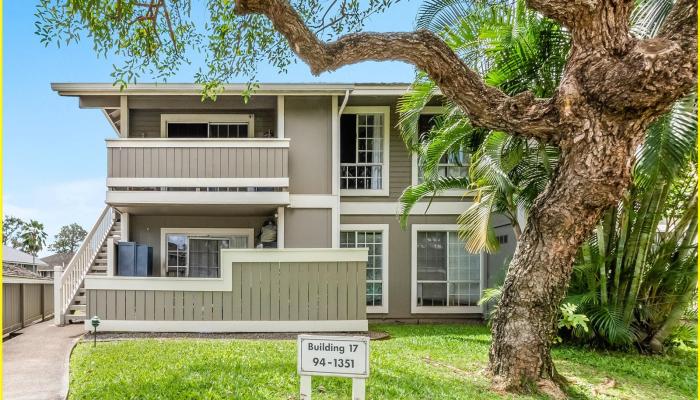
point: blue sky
(54, 153)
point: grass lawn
(418, 362)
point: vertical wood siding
(261, 292)
(24, 304)
(193, 162)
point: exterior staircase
(70, 300)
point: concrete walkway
(35, 362)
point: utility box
(134, 259)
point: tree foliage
(153, 39)
(11, 229)
(68, 239)
(33, 237)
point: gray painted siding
(307, 228)
(145, 229)
(307, 123)
(261, 292)
(400, 264)
(209, 162)
(146, 123)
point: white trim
(165, 119)
(295, 255)
(13, 279)
(231, 326)
(123, 116)
(386, 111)
(280, 117)
(219, 232)
(106, 114)
(312, 201)
(335, 223)
(415, 309)
(280, 227)
(170, 197)
(124, 227)
(394, 208)
(162, 283)
(198, 182)
(431, 110)
(384, 228)
(225, 282)
(177, 142)
(111, 258)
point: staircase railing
(80, 264)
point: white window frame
(199, 232)
(165, 119)
(432, 110)
(384, 229)
(415, 309)
(386, 111)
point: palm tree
(516, 50)
(637, 272)
(33, 238)
(634, 282)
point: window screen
(447, 275)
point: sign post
(343, 356)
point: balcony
(197, 172)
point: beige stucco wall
(307, 123)
(307, 228)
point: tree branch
(485, 105)
(563, 11)
(655, 71)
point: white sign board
(346, 356)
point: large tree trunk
(592, 176)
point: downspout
(335, 186)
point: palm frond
(413, 194)
(475, 224)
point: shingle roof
(19, 272)
(58, 259)
(19, 257)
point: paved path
(35, 362)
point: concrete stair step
(78, 307)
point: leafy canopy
(68, 239)
(155, 38)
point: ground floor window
(196, 254)
(374, 238)
(446, 278)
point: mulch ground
(115, 336)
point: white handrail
(82, 260)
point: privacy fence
(24, 302)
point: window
(454, 165)
(446, 278)
(203, 126)
(364, 150)
(195, 253)
(375, 238)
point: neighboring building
(12, 257)
(55, 260)
(324, 164)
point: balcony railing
(192, 171)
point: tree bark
(538, 276)
(613, 87)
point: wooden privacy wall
(197, 162)
(276, 291)
(24, 304)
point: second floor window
(453, 164)
(222, 130)
(207, 126)
(362, 151)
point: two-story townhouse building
(274, 214)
